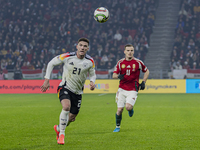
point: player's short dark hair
(84, 39)
(128, 45)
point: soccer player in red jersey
(128, 71)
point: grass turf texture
(160, 121)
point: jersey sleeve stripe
(139, 61)
(63, 56)
(93, 65)
(91, 59)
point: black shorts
(75, 99)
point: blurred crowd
(33, 32)
(186, 49)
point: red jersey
(131, 69)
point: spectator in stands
(18, 73)
(3, 64)
(104, 58)
(186, 28)
(191, 43)
(4, 51)
(180, 23)
(186, 65)
(38, 65)
(183, 46)
(172, 64)
(195, 57)
(109, 66)
(97, 62)
(25, 65)
(20, 61)
(130, 39)
(198, 65)
(196, 8)
(181, 55)
(194, 65)
(183, 11)
(117, 36)
(102, 65)
(189, 61)
(174, 54)
(2, 75)
(10, 66)
(178, 66)
(189, 54)
(151, 18)
(99, 50)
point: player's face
(129, 51)
(82, 48)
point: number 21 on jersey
(76, 71)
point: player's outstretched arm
(55, 61)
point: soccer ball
(101, 14)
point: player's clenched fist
(92, 85)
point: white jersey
(75, 70)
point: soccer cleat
(131, 112)
(61, 139)
(117, 129)
(57, 133)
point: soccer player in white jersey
(77, 66)
(128, 71)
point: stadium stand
(33, 32)
(186, 46)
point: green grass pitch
(160, 122)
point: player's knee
(66, 107)
(129, 107)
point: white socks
(64, 117)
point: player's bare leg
(130, 110)
(118, 117)
(64, 118)
(72, 118)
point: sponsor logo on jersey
(133, 67)
(128, 66)
(123, 65)
(71, 63)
